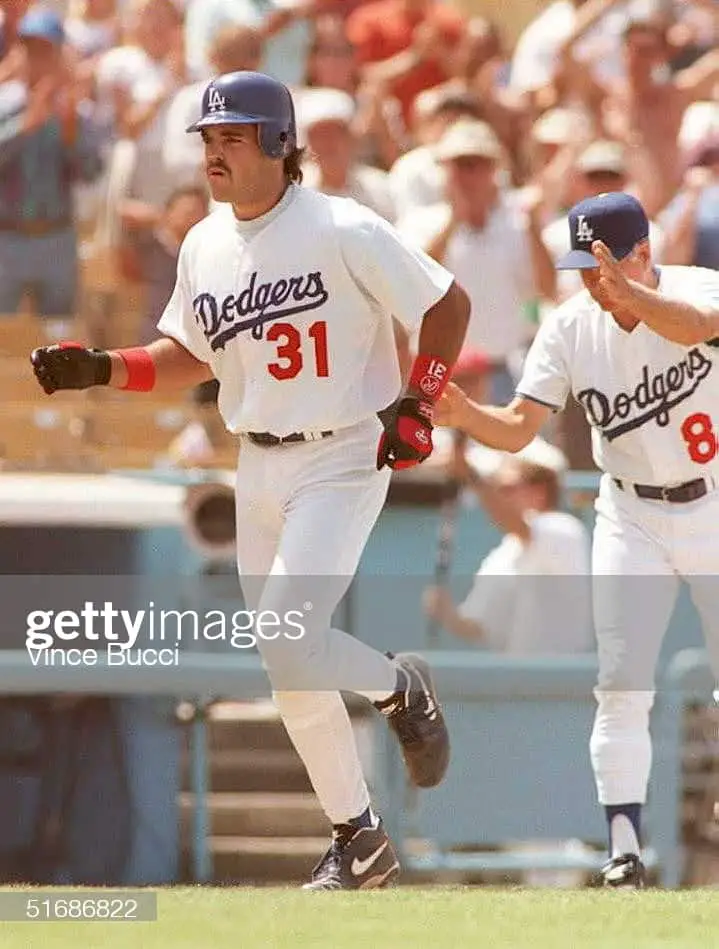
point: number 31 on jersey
(295, 353)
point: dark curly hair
(293, 165)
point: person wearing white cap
(531, 594)
(493, 245)
(417, 178)
(325, 121)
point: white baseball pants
(304, 514)
(641, 551)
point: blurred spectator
(234, 48)
(47, 144)
(701, 121)
(10, 16)
(645, 108)
(285, 26)
(325, 122)
(11, 55)
(694, 30)
(555, 141)
(531, 595)
(92, 27)
(332, 64)
(204, 435)
(418, 179)
(406, 45)
(536, 54)
(601, 167)
(332, 60)
(479, 68)
(137, 82)
(491, 244)
(593, 27)
(149, 252)
(692, 220)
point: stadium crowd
(417, 108)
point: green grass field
(435, 918)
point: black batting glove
(407, 438)
(70, 366)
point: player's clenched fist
(70, 366)
(407, 438)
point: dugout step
(258, 814)
(237, 770)
(263, 860)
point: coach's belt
(680, 494)
(267, 438)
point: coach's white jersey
(293, 312)
(653, 405)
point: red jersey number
(700, 439)
(290, 350)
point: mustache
(217, 165)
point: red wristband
(140, 369)
(430, 375)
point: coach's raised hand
(613, 284)
(70, 366)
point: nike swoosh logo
(360, 867)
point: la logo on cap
(585, 233)
(216, 102)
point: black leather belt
(268, 439)
(680, 494)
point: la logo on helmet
(216, 102)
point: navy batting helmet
(250, 98)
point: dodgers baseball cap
(41, 24)
(615, 218)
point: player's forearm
(444, 326)
(676, 321)
(174, 367)
(494, 426)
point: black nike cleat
(415, 716)
(362, 859)
(624, 872)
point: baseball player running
(636, 348)
(286, 296)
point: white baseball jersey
(534, 598)
(653, 405)
(293, 312)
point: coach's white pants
(304, 514)
(641, 551)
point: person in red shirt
(405, 44)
